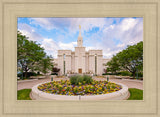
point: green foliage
(124, 73)
(110, 73)
(45, 65)
(73, 79)
(87, 79)
(23, 94)
(135, 94)
(113, 65)
(130, 59)
(28, 74)
(54, 73)
(77, 79)
(140, 74)
(31, 56)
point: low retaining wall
(118, 95)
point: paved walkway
(130, 83)
(31, 83)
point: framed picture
(41, 16)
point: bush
(77, 79)
(73, 79)
(140, 74)
(87, 79)
(109, 73)
(125, 73)
(54, 73)
(54, 69)
(28, 74)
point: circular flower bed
(66, 88)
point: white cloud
(128, 32)
(51, 23)
(30, 32)
(111, 37)
(121, 45)
(128, 24)
(67, 46)
(50, 47)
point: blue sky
(109, 34)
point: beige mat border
(6, 103)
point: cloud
(112, 34)
(51, 47)
(128, 32)
(71, 23)
(51, 23)
(67, 46)
(29, 32)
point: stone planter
(118, 95)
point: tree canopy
(130, 59)
(30, 55)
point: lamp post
(107, 78)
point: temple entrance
(80, 71)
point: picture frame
(10, 10)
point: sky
(112, 35)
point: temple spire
(79, 30)
(80, 39)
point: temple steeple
(80, 39)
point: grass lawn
(135, 94)
(23, 94)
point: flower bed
(65, 88)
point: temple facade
(80, 61)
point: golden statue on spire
(79, 26)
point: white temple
(80, 61)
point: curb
(118, 95)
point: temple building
(80, 61)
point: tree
(55, 69)
(46, 65)
(113, 65)
(29, 53)
(130, 59)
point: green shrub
(124, 73)
(54, 73)
(73, 79)
(110, 73)
(28, 74)
(140, 74)
(77, 79)
(80, 79)
(88, 79)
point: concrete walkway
(31, 83)
(130, 83)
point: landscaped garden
(79, 85)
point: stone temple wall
(93, 67)
(80, 59)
